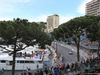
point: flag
(43, 50)
(32, 55)
(57, 53)
(60, 64)
(52, 46)
(83, 53)
(91, 55)
(87, 52)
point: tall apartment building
(93, 7)
(52, 22)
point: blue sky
(38, 10)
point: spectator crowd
(64, 69)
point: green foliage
(42, 25)
(74, 28)
(93, 29)
(55, 33)
(22, 31)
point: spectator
(57, 67)
(41, 72)
(51, 72)
(52, 69)
(71, 67)
(78, 66)
(21, 72)
(37, 72)
(37, 66)
(67, 68)
(46, 71)
(63, 67)
(74, 67)
(88, 67)
(82, 68)
(56, 71)
(99, 58)
(25, 53)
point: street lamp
(56, 45)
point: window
(21, 61)
(3, 61)
(31, 61)
(26, 61)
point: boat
(28, 58)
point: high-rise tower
(52, 22)
(93, 7)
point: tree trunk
(77, 45)
(13, 64)
(98, 49)
(78, 56)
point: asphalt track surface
(67, 58)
